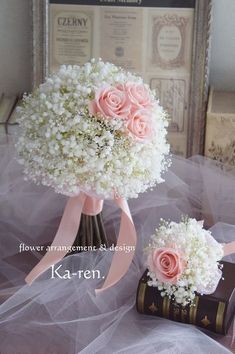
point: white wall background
(15, 37)
(222, 68)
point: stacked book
(8, 125)
(214, 312)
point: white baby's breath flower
(65, 147)
(199, 252)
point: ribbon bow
(67, 232)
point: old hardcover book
(7, 118)
(213, 312)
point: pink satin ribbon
(127, 236)
(229, 248)
(67, 232)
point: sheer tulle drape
(64, 316)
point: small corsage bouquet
(183, 258)
(93, 132)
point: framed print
(167, 42)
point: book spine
(204, 313)
(8, 124)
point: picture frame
(188, 131)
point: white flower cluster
(64, 146)
(199, 256)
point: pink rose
(138, 95)
(111, 102)
(140, 124)
(167, 264)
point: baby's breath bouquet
(183, 258)
(94, 129)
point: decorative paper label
(172, 94)
(168, 49)
(71, 38)
(170, 39)
(121, 37)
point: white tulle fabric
(55, 316)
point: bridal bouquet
(96, 129)
(93, 132)
(183, 258)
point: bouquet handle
(67, 232)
